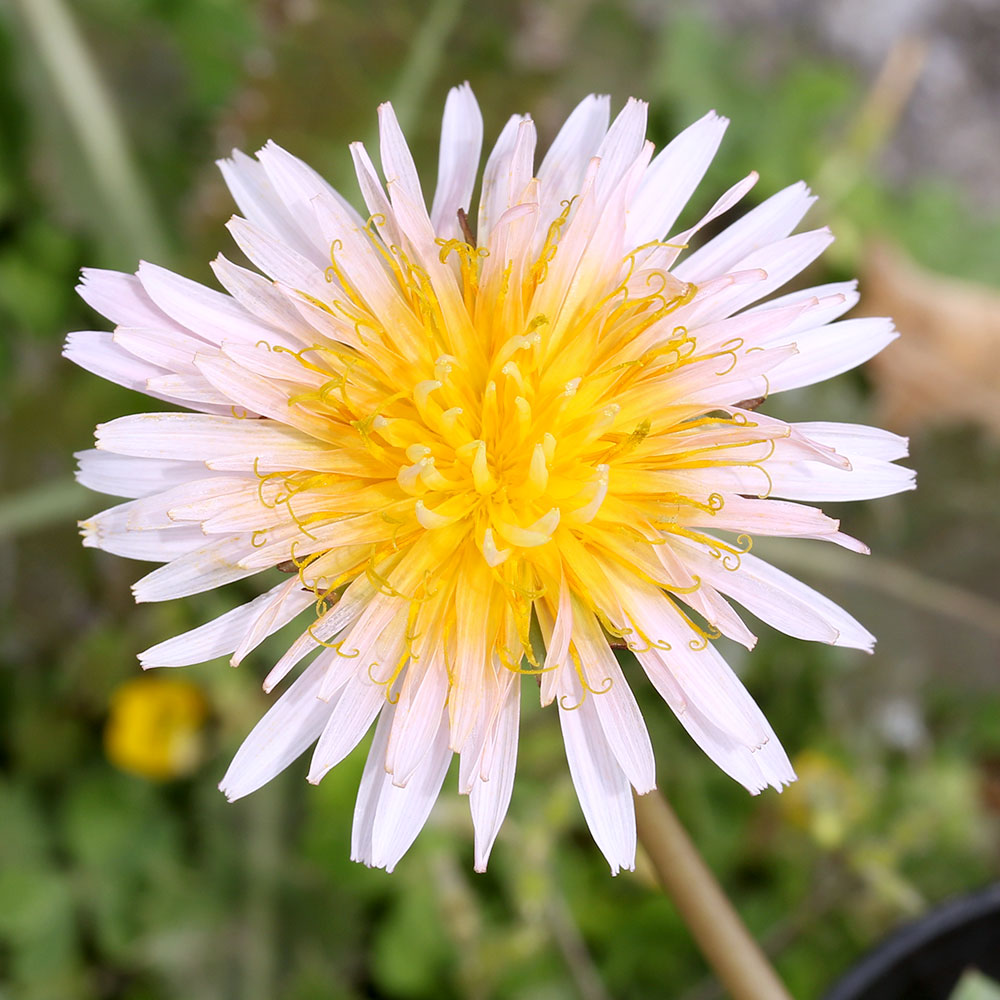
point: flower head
(487, 447)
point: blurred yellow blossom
(826, 802)
(154, 727)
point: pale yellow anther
(538, 470)
(569, 389)
(430, 519)
(549, 447)
(443, 366)
(409, 479)
(491, 553)
(415, 452)
(513, 372)
(536, 534)
(432, 477)
(599, 489)
(421, 393)
(605, 419)
(450, 418)
(523, 409)
(481, 478)
(547, 523)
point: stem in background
(938, 597)
(53, 502)
(424, 58)
(724, 940)
(63, 53)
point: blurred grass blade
(887, 577)
(975, 986)
(90, 111)
(424, 58)
(50, 503)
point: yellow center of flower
(521, 408)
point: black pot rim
(946, 918)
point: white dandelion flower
(462, 433)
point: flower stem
(727, 945)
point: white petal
(397, 160)
(754, 767)
(772, 517)
(421, 700)
(831, 350)
(494, 198)
(213, 315)
(96, 352)
(281, 261)
(490, 796)
(566, 161)
(192, 391)
(621, 146)
(120, 297)
(126, 476)
(358, 704)
(342, 615)
(833, 300)
(259, 297)
(165, 348)
(866, 480)
(374, 195)
(678, 660)
(779, 261)
(402, 812)
(615, 705)
(204, 568)
(601, 786)
(110, 531)
(221, 636)
(373, 780)
(300, 188)
(195, 437)
(779, 599)
(672, 178)
(282, 735)
(857, 440)
(769, 222)
(719, 613)
(458, 160)
(288, 602)
(557, 644)
(259, 202)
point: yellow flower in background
(827, 801)
(155, 727)
(483, 448)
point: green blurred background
(127, 886)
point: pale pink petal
(601, 786)
(672, 178)
(777, 598)
(222, 635)
(491, 793)
(401, 812)
(494, 199)
(621, 146)
(565, 162)
(126, 476)
(300, 188)
(287, 730)
(258, 201)
(831, 350)
(764, 225)
(201, 569)
(458, 160)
